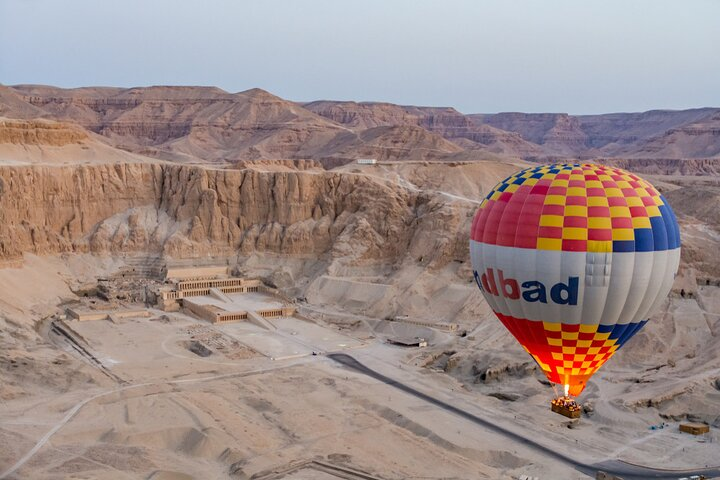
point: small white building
(366, 161)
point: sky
(479, 56)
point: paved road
(615, 467)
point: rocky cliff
(557, 133)
(445, 122)
(183, 211)
(695, 139)
(653, 134)
(615, 131)
(667, 166)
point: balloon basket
(566, 406)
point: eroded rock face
(559, 130)
(184, 211)
(40, 132)
(695, 140)
(446, 123)
(666, 166)
(48, 210)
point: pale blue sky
(577, 56)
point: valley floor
(157, 410)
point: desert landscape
(201, 284)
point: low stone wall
(88, 315)
(200, 311)
(85, 317)
(448, 327)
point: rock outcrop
(40, 132)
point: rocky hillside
(557, 133)
(200, 125)
(695, 139)
(618, 130)
(447, 122)
(206, 124)
(653, 134)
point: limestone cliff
(183, 211)
(47, 209)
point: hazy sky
(577, 56)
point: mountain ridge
(208, 124)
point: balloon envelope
(573, 259)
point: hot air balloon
(573, 259)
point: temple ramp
(218, 294)
(261, 321)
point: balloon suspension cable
(564, 393)
(555, 390)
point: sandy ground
(238, 411)
(88, 152)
